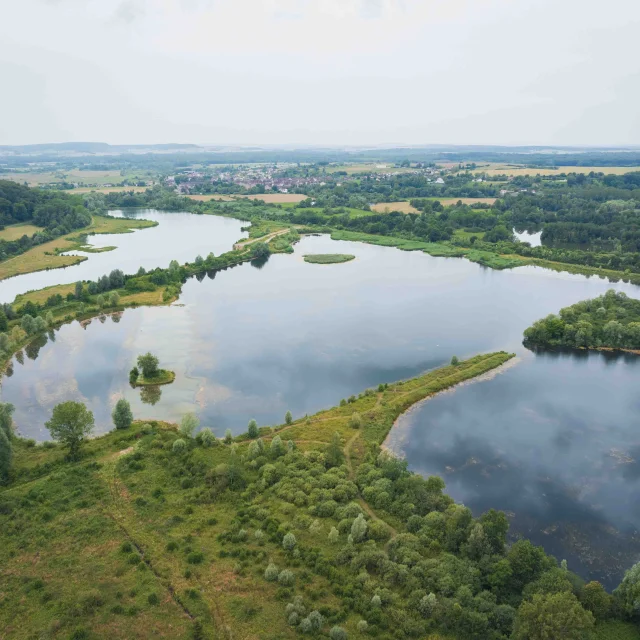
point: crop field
(368, 167)
(211, 196)
(108, 189)
(494, 169)
(388, 207)
(15, 231)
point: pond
(534, 239)
(178, 236)
(255, 342)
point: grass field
(212, 196)
(328, 258)
(276, 198)
(45, 256)
(108, 189)
(15, 231)
(138, 541)
(368, 167)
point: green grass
(135, 540)
(328, 258)
(164, 376)
(16, 231)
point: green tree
(4, 323)
(557, 616)
(189, 424)
(289, 542)
(148, 363)
(359, 529)
(334, 453)
(288, 418)
(595, 599)
(260, 250)
(253, 429)
(454, 360)
(28, 324)
(78, 290)
(627, 594)
(277, 448)
(6, 456)
(122, 416)
(6, 420)
(71, 422)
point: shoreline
(396, 437)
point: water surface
(178, 236)
(255, 342)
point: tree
(355, 421)
(454, 360)
(6, 421)
(628, 592)
(559, 616)
(359, 529)
(179, 445)
(337, 633)
(333, 453)
(289, 542)
(28, 324)
(253, 429)
(149, 365)
(189, 424)
(288, 418)
(71, 422)
(271, 573)
(228, 436)
(116, 279)
(277, 448)
(207, 438)
(260, 250)
(595, 599)
(133, 375)
(122, 416)
(6, 455)
(78, 290)
(333, 535)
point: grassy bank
(47, 255)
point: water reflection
(179, 236)
(552, 441)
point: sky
(320, 72)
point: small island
(328, 258)
(609, 322)
(148, 373)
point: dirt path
(270, 236)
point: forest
(56, 212)
(611, 321)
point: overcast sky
(320, 71)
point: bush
(206, 437)
(363, 625)
(153, 599)
(289, 542)
(355, 421)
(455, 361)
(288, 418)
(337, 633)
(179, 446)
(271, 572)
(286, 578)
(195, 557)
(253, 429)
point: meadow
(15, 231)
(494, 169)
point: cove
(178, 236)
(254, 342)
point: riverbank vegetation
(148, 372)
(307, 528)
(328, 258)
(611, 321)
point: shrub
(363, 625)
(153, 599)
(359, 529)
(271, 572)
(355, 421)
(228, 436)
(288, 418)
(376, 601)
(454, 360)
(337, 633)
(286, 578)
(333, 535)
(289, 542)
(189, 424)
(277, 448)
(259, 536)
(122, 416)
(172, 546)
(206, 437)
(179, 445)
(195, 557)
(252, 429)
(126, 547)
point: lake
(254, 342)
(178, 236)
